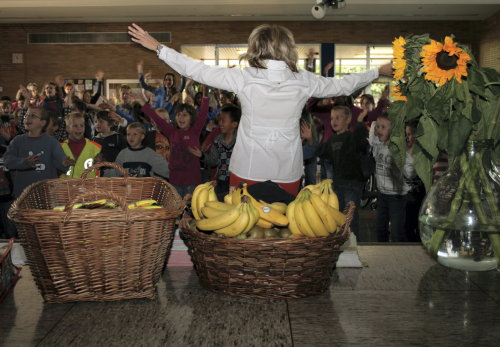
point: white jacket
(268, 145)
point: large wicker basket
(100, 254)
(266, 268)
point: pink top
(184, 167)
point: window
(359, 58)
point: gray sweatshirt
(142, 162)
(49, 161)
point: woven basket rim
(232, 240)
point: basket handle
(115, 166)
(95, 194)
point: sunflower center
(445, 61)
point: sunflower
(442, 62)
(399, 63)
(396, 93)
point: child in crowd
(34, 97)
(7, 227)
(391, 183)
(110, 141)
(52, 100)
(309, 137)
(82, 151)
(54, 124)
(140, 161)
(344, 150)
(222, 148)
(162, 145)
(164, 95)
(416, 194)
(272, 92)
(34, 156)
(7, 126)
(184, 167)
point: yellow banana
(265, 211)
(333, 201)
(313, 219)
(236, 196)
(194, 200)
(314, 188)
(278, 206)
(292, 224)
(221, 221)
(324, 213)
(269, 214)
(228, 198)
(211, 193)
(201, 199)
(210, 212)
(219, 205)
(302, 223)
(254, 217)
(238, 226)
(339, 217)
(263, 223)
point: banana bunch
(228, 220)
(269, 214)
(325, 191)
(202, 193)
(311, 216)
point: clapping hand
(196, 151)
(68, 162)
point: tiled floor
(402, 298)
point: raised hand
(385, 92)
(142, 37)
(385, 69)
(305, 131)
(99, 75)
(140, 66)
(137, 97)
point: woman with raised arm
(272, 92)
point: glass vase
(459, 218)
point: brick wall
(489, 42)
(42, 62)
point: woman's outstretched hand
(386, 69)
(142, 37)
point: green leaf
(460, 91)
(413, 108)
(397, 147)
(438, 105)
(423, 166)
(459, 131)
(429, 139)
(443, 136)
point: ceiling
(94, 11)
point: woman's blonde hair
(271, 41)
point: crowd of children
(185, 133)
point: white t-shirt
(268, 145)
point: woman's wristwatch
(158, 49)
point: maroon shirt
(184, 167)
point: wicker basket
(9, 273)
(100, 254)
(266, 268)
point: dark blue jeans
(391, 208)
(346, 194)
